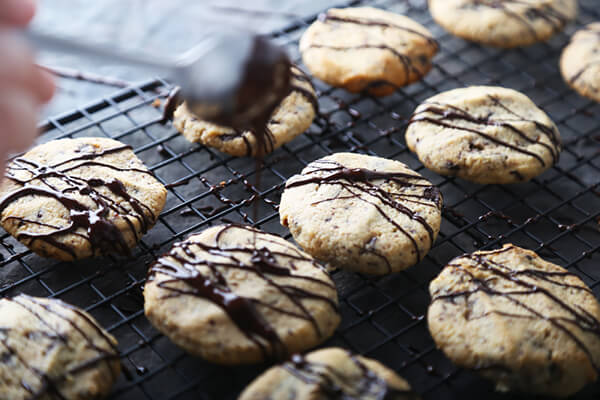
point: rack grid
(556, 214)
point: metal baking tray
(555, 214)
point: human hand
(24, 87)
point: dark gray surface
(556, 214)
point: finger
(18, 70)
(2, 166)
(18, 113)
(16, 12)
(44, 83)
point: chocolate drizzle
(515, 285)
(98, 226)
(444, 115)
(326, 17)
(101, 344)
(173, 101)
(183, 264)
(265, 140)
(336, 384)
(358, 183)
(530, 13)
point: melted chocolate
(100, 230)
(493, 287)
(106, 350)
(327, 17)
(182, 264)
(265, 141)
(357, 181)
(173, 101)
(335, 384)
(445, 114)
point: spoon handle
(147, 63)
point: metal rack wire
(556, 214)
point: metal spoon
(233, 78)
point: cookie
(580, 62)
(363, 213)
(503, 23)
(483, 134)
(330, 373)
(235, 295)
(52, 350)
(76, 198)
(293, 116)
(521, 321)
(366, 48)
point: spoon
(233, 78)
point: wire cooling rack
(555, 214)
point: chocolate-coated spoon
(233, 78)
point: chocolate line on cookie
(585, 321)
(547, 13)
(181, 265)
(407, 63)
(50, 384)
(451, 113)
(334, 384)
(585, 68)
(101, 232)
(326, 17)
(360, 179)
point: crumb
(156, 103)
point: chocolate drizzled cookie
(580, 62)
(503, 23)
(363, 213)
(293, 116)
(52, 350)
(483, 134)
(233, 294)
(330, 373)
(366, 48)
(527, 324)
(76, 198)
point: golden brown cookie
(367, 48)
(503, 23)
